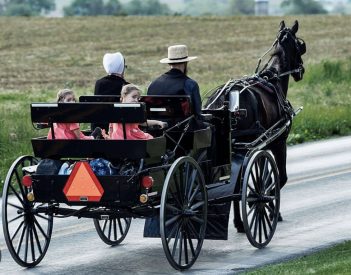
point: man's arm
(191, 88)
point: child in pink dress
(67, 130)
(130, 94)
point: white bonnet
(113, 63)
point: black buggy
(177, 181)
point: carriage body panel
(109, 149)
(117, 190)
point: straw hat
(177, 54)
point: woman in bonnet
(114, 65)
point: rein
(298, 70)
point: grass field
(39, 56)
(335, 260)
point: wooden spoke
(259, 227)
(172, 220)
(173, 208)
(120, 226)
(191, 245)
(192, 181)
(251, 209)
(18, 217)
(186, 257)
(197, 205)
(26, 247)
(109, 229)
(115, 229)
(193, 230)
(175, 244)
(253, 218)
(196, 191)
(170, 234)
(17, 230)
(32, 244)
(42, 217)
(16, 194)
(37, 239)
(19, 182)
(40, 228)
(268, 221)
(15, 206)
(263, 221)
(104, 227)
(19, 244)
(180, 247)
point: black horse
(263, 98)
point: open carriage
(182, 181)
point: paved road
(316, 206)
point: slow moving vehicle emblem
(83, 185)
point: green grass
(42, 55)
(326, 96)
(335, 260)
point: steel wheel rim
(260, 199)
(30, 231)
(183, 222)
(112, 231)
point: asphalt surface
(315, 204)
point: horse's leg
(238, 223)
(278, 149)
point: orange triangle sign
(82, 184)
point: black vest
(170, 83)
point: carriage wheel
(260, 199)
(183, 213)
(112, 231)
(27, 233)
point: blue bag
(100, 167)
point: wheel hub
(188, 212)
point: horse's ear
(282, 25)
(295, 27)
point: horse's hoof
(280, 218)
(240, 229)
(239, 226)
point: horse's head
(292, 48)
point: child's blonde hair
(127, 89)
(63, 93)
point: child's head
(66, 96)
(130, 94)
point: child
(69, 130)
(130, 94)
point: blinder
(301, 46)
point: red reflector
(147, 182)
(27, 181)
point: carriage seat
(93, 112)
(170, 108)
